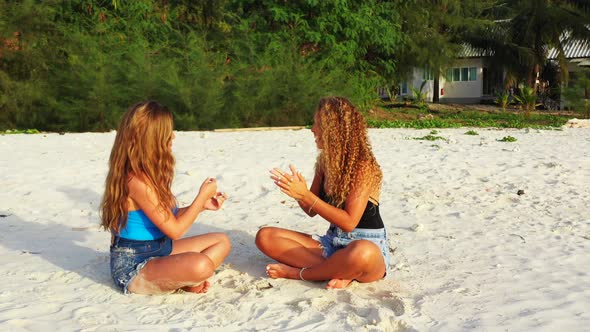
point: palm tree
(526, 30)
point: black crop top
(371, 219)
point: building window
(472, 74)
(456, 74)
(427, 74)
(462, 74)
(404, 88)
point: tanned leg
(166, 274)
(361, 260)
(192, 261)
(215, 245)
(289, 247)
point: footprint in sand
(395, 303)
(344, 296)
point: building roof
(469, 52)
(575, 49)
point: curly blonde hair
(346, 157)
(141, 148)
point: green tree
(577, 94)
(525, 31)
(350, 35)
(26, 55)
(432, 34)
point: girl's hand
(208, 188)
(293, 184)
(214, 203)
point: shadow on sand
(69, 249)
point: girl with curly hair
(148, 255)
(345, 192)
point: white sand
(470, 253)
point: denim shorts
(336, 239)
(128, 257)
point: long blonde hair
(141, 148)
(346, 157)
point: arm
(174, 227)
(213, 204)
(279, 176)
(346, 219)
(315, 190)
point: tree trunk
(435, 88)
(536, 78)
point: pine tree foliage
(77, 65)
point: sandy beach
(470, 252)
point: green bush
(507, 139)
(527, 99)
(279, 87)
(502, 100)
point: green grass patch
(507, 139)
(413, 118)
(430, 137)
(471, 132)
(20, 131)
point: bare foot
(282, 271)
(200, 288)
(338, 283)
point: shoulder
(368, 176)
(368, 168)
(138, 185)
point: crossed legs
(361, 260)
(192, 261)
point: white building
(472, 79)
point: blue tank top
(140, 227)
